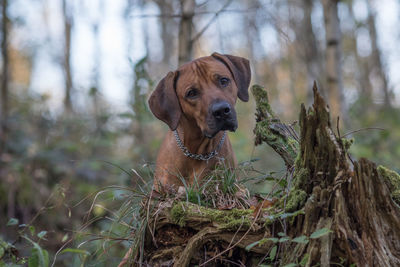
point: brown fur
(191, 117)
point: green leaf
(283, 183)
(304, 260)
(281, 234)
(39, 257)
(33, 260)
(32, 230)
(65, 237)
(291, 214)
(273, 239)
(42, 234)
(1, 252)
(12, 221)
(301, 239)
(319, 233)
(272, 254)
(75, 250)
(250, 246)
(284, 239)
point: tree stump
(352, 202)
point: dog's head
(205, 92)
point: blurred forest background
(75, 76)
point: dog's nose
(221, 110)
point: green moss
(261, 98)
(293, 142)
(301, 177)
(263, 131)
(235, 224)
(297, 162)
(229, 219)
(178, 214)
(225, 219)
(270, 130)
(391, 177)
(396, 196)
(347, 143)
(295, 200)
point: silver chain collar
(204, 157)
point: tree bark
(311, 53)
(95, 84)
(4, 77)
(185, 44)
(67, 16)
(333, 57)
(363, 68)
(168, 26)
(376, 58)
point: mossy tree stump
(354, 201)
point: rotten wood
(353, 201)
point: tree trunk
(363, 68)
(67, 16)
(168, 26)
(376, 59)
(311, 54)
(4, 77)
(333, 57)
(352, 207)
(95, 87)
(185, 46)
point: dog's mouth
(221, 117)
(217, 126)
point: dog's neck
(194, 139)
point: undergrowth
(117, 209)
(129, 214)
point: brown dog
(197, 103)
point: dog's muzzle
(221, 117)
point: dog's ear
(164, 102)
(240, 69)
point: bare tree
(310, 52)
(168, 26)
(362, 63)
(94, 90)
(333, 57)
(67, 17)
(252, 35)
(5, 75)
(376, 63)
(185, 46)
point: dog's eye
(192, 93)
(224, 81)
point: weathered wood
(355, 203)
(367, 219)
(270, 130)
